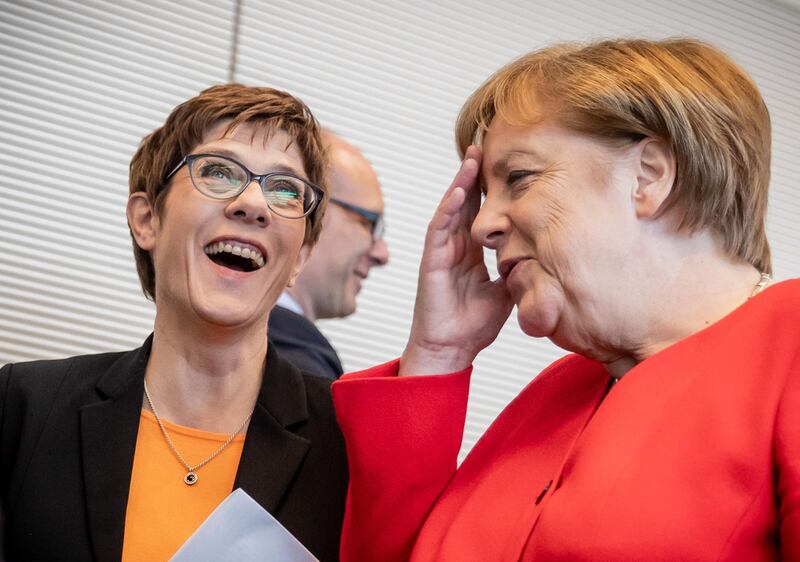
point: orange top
(162, 510)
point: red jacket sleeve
(403, 435)
(787, 457)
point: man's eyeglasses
(220, 177)
(374, 220)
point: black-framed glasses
(220, 177)
(376, 224)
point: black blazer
(67, 438)
(300, 342)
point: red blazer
(693, 455)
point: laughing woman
(625, 188)
(123, 455)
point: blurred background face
(345, 253)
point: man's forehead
(351, 177)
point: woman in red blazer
(625, 187)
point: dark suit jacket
(301, 343)
(67, 438)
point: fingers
(452, 214)
(473, 189)
(465, 180)
(445, 217)
(473, 153)
(450, 206)
(467, 174)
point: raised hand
(459, 310)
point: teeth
(237, 250)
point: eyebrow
(277, 168)
(500, 167)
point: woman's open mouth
(235, 255)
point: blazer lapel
(273, 451)
(109, 428)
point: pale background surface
(82, 82)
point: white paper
(240, 529)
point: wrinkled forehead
(505, 140)
(352, 178)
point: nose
(249, 206)
(379, 252)
(490, 225)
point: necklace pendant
(190, 479)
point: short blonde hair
(684, 92)
(161, 150)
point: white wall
(82, 82)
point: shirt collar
(286, 301)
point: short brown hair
(162, 150)
(681, 91)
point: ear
(142, 220)
(299, 263)
(655, 177)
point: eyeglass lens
(221, 178)
(377, 229)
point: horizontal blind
(82, 82)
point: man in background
(351, 244)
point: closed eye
(516, 176)
(519, 181)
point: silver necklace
(762, 282)
(190, 478)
